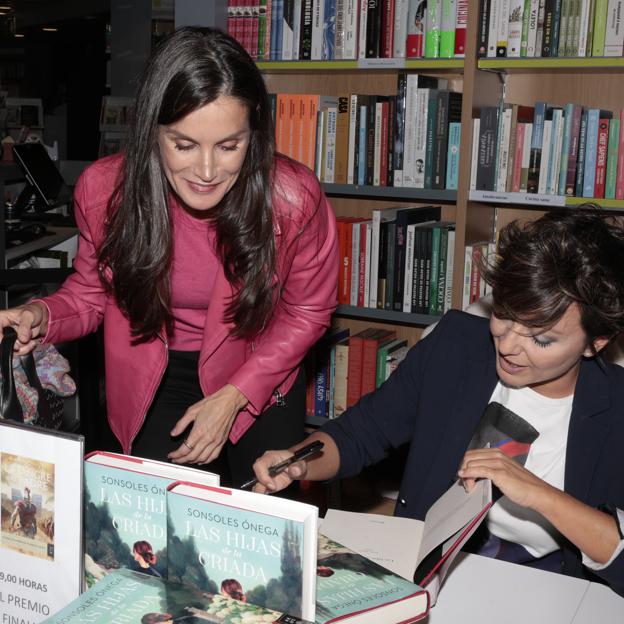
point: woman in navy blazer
(558, 292)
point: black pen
(302, 453)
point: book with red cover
(601, 157)
(354, 370)
(369, 357)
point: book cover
(125, 520)
(432, 28)
(126, 596)
(580, 164)
(41, 521)
(341, 351)
(350, 586)
(266, 543)
(448, 16)
(601, 157)
(452, 156)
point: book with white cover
(420, 551)
(41, 526)
(267, 544)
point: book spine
(544, 157)
(305, 44)
(614, 32)
(612, 158)
(483, 29)
(461, 23)
(287, 30)
(503, 149)
(492, 38)
(487, 141)
(584, 28)
(467, 276)
(536, 147)
(573, 150)
(476, 126)
(423, 100)
(354, 372)
(399, 39)
(450, 270)
(532, 28)
(526, 156)
(417, 16)
(329, 30)
(557, 150)
(502, 29)
(517, 168)
(362, 144)
(318, 23)
(591, 147)
(339, 30)
(390, 266)
(602, 146)
(351, 147)
(386, 44)
(447, 28)
(432, 29)
(619, 182)
(340, 378)
(515, 28)
(580, 166)
(600, 27)
(362, 30)
(355, 263)
(377, 143)
(430, 149)
(540, 28)
(409, 269)
(435, 269)
(351, 29)
(410, 129)
(373, 27)
(452, 163)
(342, 140)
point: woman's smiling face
(203, 153)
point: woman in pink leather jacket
(210, 260)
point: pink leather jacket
(305, 231)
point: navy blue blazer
(435, 400)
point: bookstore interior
(430, 125)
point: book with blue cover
(126, 596)
(125, 522)
(266, 544)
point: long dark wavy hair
(567, 256)
(191, 68)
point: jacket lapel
(590, 423)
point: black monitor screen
(42, 174)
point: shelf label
(533, 199)
(381, 63)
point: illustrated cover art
(27, 495)
(246, 554)
(348, 582)
(125, 596)
(125, 522)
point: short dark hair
(566, 256)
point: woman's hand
(513, 480)
(30, 322)
(266, 483)
(212, 419)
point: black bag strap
(10, 407)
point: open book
(418, 551)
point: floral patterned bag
(33, 385)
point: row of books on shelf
(566, 150)
(408, 140)
(401, 259)
(342, 368)
(159, 539)
(324, 30)
(550, 28)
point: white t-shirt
(546, 460)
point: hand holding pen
(305, 451)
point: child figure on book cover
(558, 293)
(27, 505)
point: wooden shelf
(542, 201)
(375, 314)
(371, 64)
(577, 64)
(397, 192)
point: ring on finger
(188, 446)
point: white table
(479, 590)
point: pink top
(193, 272)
